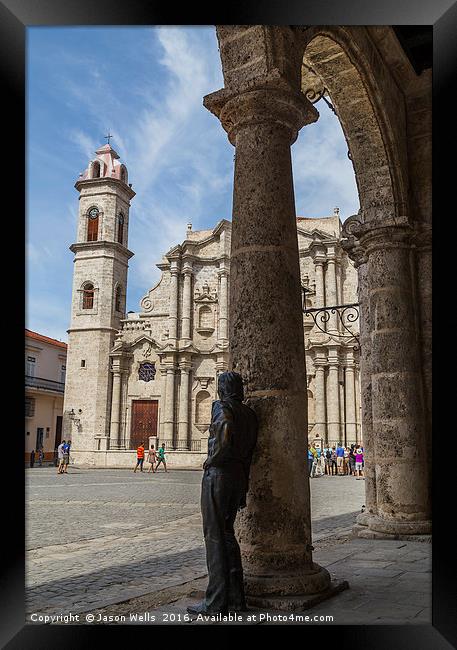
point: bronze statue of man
(233, 435)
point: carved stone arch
(352, 72)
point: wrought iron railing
(46, 384)
(347, 315)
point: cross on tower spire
(108, 136)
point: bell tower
(98, 299)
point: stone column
(402, 479)
(331, 290)
(266, 337)
(169, 406)
(183, 416)
(333, 396)
(223, 304)
(320, 363)
(351, 419)
(187, 301)
(319, 261)
(173, 315)
(116, 407)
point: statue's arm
(222, 429)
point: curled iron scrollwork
(347, 315)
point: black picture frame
(15, 17)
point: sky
(145, 85)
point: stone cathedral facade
(151, 376)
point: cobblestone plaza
(96, 538)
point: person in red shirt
(139, 457)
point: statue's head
(230, 385)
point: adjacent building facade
(151, 376)
(45, 368)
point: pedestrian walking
(152, 459)
(315, 461)
(310, 460)
(60, 454)
(40, 457)
(318, 471)
(351, 459)
(32, 458)
(66, 457)
(161, 458)
(359, 463)
(333, 462)
(328, 460)
(139, 457)
(340, 458)
(346, 461)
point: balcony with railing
(44, 384)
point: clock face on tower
(93, 213)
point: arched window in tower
(118, 299)
(96, 169)
(92, 224)
(88, 296)
(120, 228)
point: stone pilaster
(115, 408)
(319, 259)
(320, 416)
(333, 396)
(169, 404)
(173, 315)
(351, 421)
(187, 301)
(223, 304)
(331, 289)
(266, 336)
(183, 416)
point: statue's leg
(214, 511)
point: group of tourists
(63, 457)
(155, 458)
(336, 461)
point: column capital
(267, 100)
(174, 266)
(187, 267)
(319, 258)
(185, 366)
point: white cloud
(323, 174)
